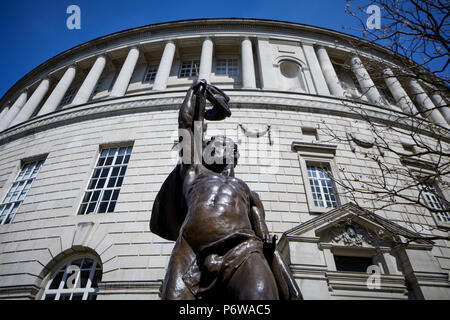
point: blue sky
(35, 31)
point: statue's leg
(174, 287)
(287, 287)
(253, 280)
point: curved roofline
(174, 23)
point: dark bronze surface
(223, 248)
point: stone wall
(47, 228)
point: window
(77, 280)
(150, 75)
(352, 264)
(18, 191)
(189, 68)
(318, 170)
(433, 198)
(229, 67)
(429, 186)
(386, 94)
(347, 80)
(107, 178)
(322, 187)
(68, 97)
(100, 85)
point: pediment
(350, 225)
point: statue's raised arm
(191, 119)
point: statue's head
(220, 153)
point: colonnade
(439, 116)
(324, 76)
(24, 107)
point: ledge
(126, 287)
(19, 292)
(307, 148)
(354, 281)
(171, 99)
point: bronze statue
(223, 248)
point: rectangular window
(18, 191)
(345, 77)
(189, 68)
(229, 67)
(386, 94)
(100, 84)
(352, 264)
(68, 97)
(104, 187)
(432, 196)
(318, 170)
(150, 75)
(322, 187)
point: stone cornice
(418, 163)
(124, 287)
(316, 148)
(119, 285)
(354, 281)
(154, 101)
(19, 292)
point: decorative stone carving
(353, 235)
(256, 133)
(362, 143)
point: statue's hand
(219, 101)
(200, 83)
(213, 263)
(267, 239)
(269, 246)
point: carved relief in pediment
(355, 235)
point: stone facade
(284, 80)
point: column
(329, 73)
(443, 106)
(248, 66)
(89, 83)
(314, 66)
(36, 98)
(3, 113)
(13, 111)
(123, 80)
(367, 86)
(58, 93)
(399, 94)
(206, 60)
(427, 105)
(162, 76)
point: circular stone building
(88, 137)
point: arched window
(76, 280)
(292, 76)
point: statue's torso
(218, 207)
